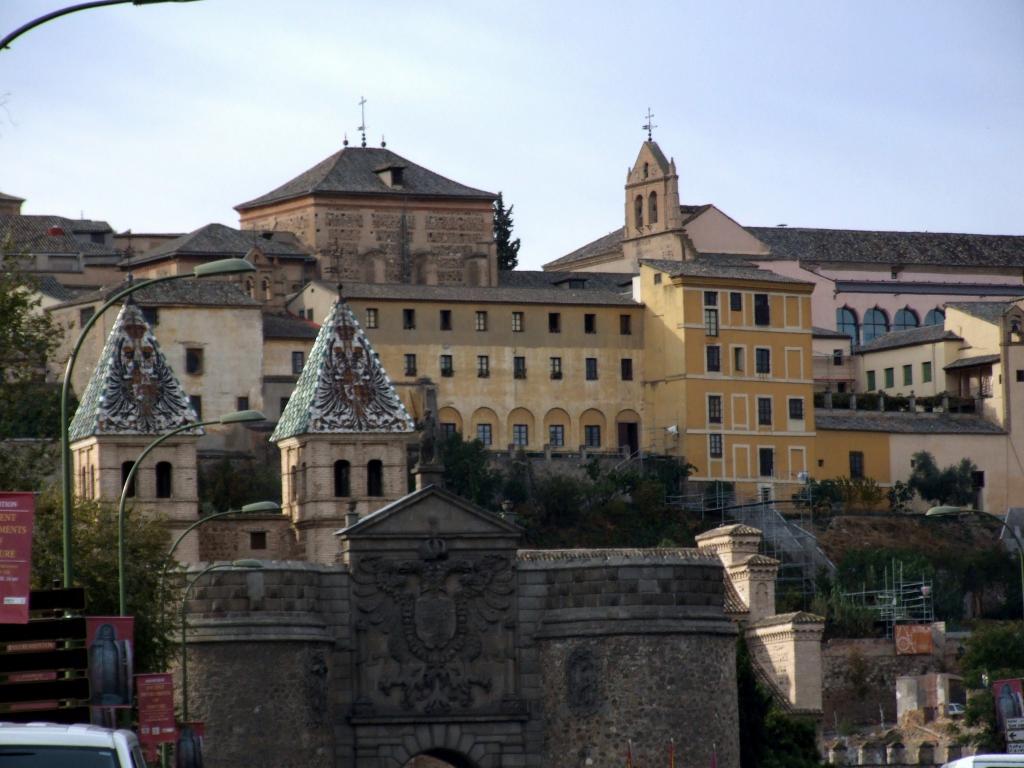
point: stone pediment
(432, 512)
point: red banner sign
(17, 514)
(156, 710)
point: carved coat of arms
(434, 611)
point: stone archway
(440, 758)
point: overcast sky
(861, 114)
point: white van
(988, 761)
(48, 745)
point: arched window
(126, 467)
(375, 478)
(652, 208)
(293, 491)
(82, 490)
(935, 317)
(647, 169)
(846, 322)
(876, 323)
(342, 482)
(303, 487)
(638, 211)
(250, 288)
(905, 318)
(163, 480)
(266, 289)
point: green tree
(95, 539)
(231, 483)
(26, 465)
(508, 249)
(770, 738)
(28, 336)
(467, 470)
(952, 485)
(994, 650)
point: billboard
(109, 640)
(1009, 698)
(17, 514)
(913, 639)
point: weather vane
(649, 125)
(362, 113)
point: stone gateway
(435, 638)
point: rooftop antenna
(649, 126)
(362, 113)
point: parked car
(955, 710)
(49, 745)
(987, 761)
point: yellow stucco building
(729, 386)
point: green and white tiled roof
(132, 390)
(343, 387)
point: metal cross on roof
(649, 125)
(362, 114)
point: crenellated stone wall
(434, 636)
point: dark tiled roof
(288, 327)
(353, 171)
(608, 244)
(843, 420)
(925, 334)
(31, 234)
(221, 242)
(895, 248)
(186, 292)
(503, 295)
(53, 288)
(711, 266)
(992, 311)
(826, 333)
(11, 198)
(535, 278)
(971, 362)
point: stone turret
(132, 398)
(653, 220)
(343, 437)
(751, 575)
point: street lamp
(951, 511)
(71, 9)
(243, 564)
(237, 417)
(213, 268)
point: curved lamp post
(71, 9)
(237, 417)
(212, 269)
(242, 564)
(953, 511)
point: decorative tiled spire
(132, 390)
(343, 387)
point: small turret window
(341, 479)
(375, 478)
(647, 169)
(163, 480)
(638, 211)
(652, 208)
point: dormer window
(392, 175)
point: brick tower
(343, 437)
